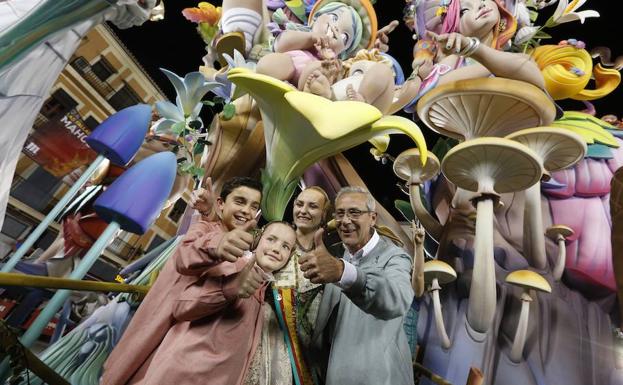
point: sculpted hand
(418, 233)
(382, 38)
(249, 280)
(203, 199)
(450, 43)
(235, 242)
(324, 49)
(319, 266)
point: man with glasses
(359, 333)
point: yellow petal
(380, 143)
(332, 119)
(399, 125)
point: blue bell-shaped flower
(136, 198)
(120, 136)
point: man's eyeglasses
(351, 213)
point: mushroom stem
(441, 329)
(522, 328)
(559, 268)
(431, 225)
(533, 234)
(417, 277)
(482, 293)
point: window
(103, 69)
(155, 242)
(13, 227)
(178, 210)
(37, 191)
(58, 104)
(46, 240)
(123, 98)
(91, 123)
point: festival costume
(271, 361)
(359, 330)
(296, 301)
(154, 317)
(214, 335)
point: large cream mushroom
(474, 108)
(488, 166)
(559, 234)
(438, 273)
(408, 167)
(527, 280)
(557, 149)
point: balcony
(84, 68)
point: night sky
(175, 45)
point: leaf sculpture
(301, 129)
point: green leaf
(533, 15)
(198, 149)
(442, 146)
(229, 110)
(208, 103)
(198, 171)
(186, 167)
(178, 128)
(405, 209)
(542, 35)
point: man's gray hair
(370, 202)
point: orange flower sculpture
(206, 16)
(203, 13)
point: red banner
(59, 146)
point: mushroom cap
(473, 108)
(553, 231)
(331, 225)
(558, 148)
(528, 280)
(508, 165)
(408, 166)
(440, 270)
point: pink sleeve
(208, 295)
(195, 254)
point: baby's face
(275, 247)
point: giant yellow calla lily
(301, 129)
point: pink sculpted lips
(484, 12)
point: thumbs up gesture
(319, 266)
(249, 279)
(235, 242)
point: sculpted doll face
(275, 247)
(478, 17)
(308, 209)
(338, 26)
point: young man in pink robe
(219, 318)
(205, 245)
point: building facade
(101, 78)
